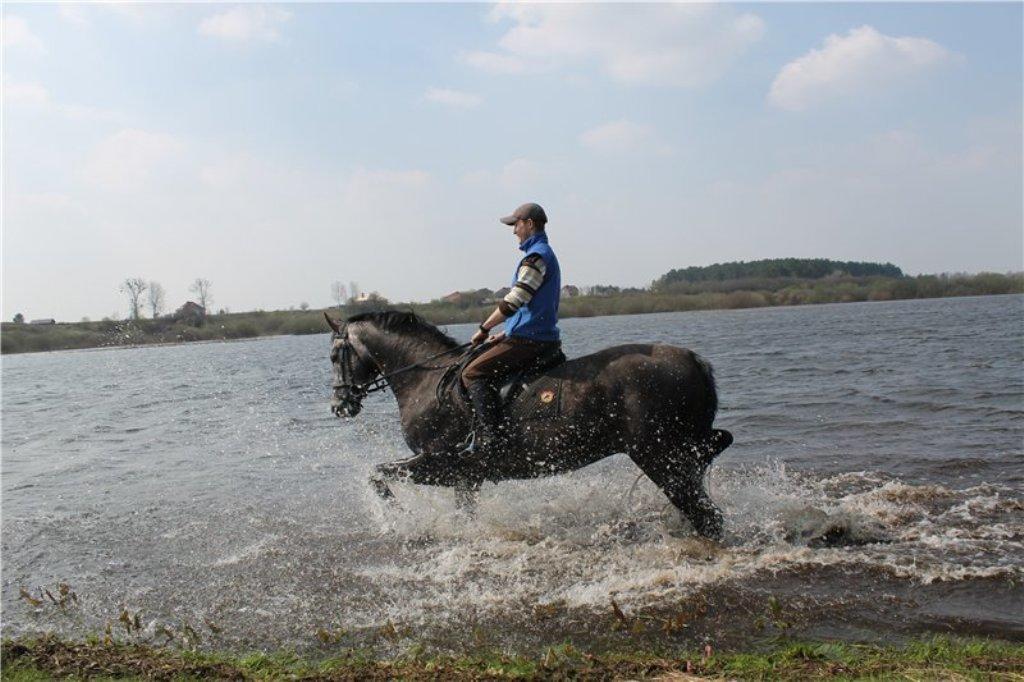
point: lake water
(208, 489)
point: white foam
(247, 552)
(579, 539)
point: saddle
(528, 393)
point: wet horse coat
(654, 402)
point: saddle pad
(541, 399)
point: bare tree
(156, 298)
(353, 290)
(133, 288)
(201, 288)
(339, 293)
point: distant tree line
(798, 268)
(749, 292)
(134, 287)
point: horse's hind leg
(680, 475)
(383, 473)
(380, 486)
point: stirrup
(469, 445)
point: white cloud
(855, 64)
(128, 159)
(36, 97)
(246, 23)
(80, 112)
(367, 187)
(25, 94)
(73, 13)
(136, 11)
(17, 34)
(682, 45)
(622, 137)
(453, 98)
(224, 173)
(82, 14)
(493, 62)
(518, 175)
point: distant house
(44, 320)
(466, 299)
(570, 290)
(190, 312)
(453, 297)
(372, 297)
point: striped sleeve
(529, 279)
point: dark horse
(654, 402)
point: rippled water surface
(207, 488)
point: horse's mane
(404, 322)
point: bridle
(358, 391)
(343, 356)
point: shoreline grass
(681, 297)
(49, 657)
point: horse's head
(352, 370)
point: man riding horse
(530, 314)
(654, 402)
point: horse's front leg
(423, 469)
(467, 492)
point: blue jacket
(538, 319)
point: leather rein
(382, 381)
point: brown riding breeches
(503, 358)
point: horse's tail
(710, 390)
(714, 441)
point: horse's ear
(334, 325)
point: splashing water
(209, 486)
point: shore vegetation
(782, 282)
(45, 658)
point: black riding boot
(488, 428)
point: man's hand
(482, 337)
(491, 322)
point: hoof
(381, 488)
(711, 528)
(707, 520)
(466, 494)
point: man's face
(523, 229)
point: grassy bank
(940, 658)
(680, 296)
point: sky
(276, 149)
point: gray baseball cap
(527, 212)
